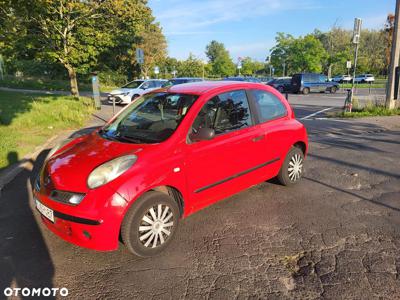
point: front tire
(292, 168)
(333, 90)
(150, 224)
(134, 97)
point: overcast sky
(248, 27)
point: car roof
(202, 87)
(184, 78)
(144, 80)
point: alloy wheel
(155, 226)
(295, 167)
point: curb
(9, 173)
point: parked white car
(364, 78)
(342, 78)
(134, 89)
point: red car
(165, 156)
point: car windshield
(133, 84)
(150, 119)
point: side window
(157, 83)
(322, 78)
(269, 106)
(146, 85)
(224, 113)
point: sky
(249, 27)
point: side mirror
(203, 134)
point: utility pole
(391, 93)
(348, 103)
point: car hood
(123, 90)
(70, 168)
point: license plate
(45, 211)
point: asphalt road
(334, 235)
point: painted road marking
(317, 113)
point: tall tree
(154, 46)
(75, 33)
(303, 54)
(221, 62)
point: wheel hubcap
(295, 167)
(155, 226)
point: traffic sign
(357, 30)
(348, 64)
(156, 70)
(139, 56)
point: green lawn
(370, 110)
(27, 121)
(47, 84)
(379, 83)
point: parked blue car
(311, 82)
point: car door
(222, 166)
(323, 82)
(272, 117)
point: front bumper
(88, 224)
(119, 99)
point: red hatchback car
(165, 156)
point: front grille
(65, 197)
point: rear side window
(269, 106)
(224, 113)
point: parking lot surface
(334, 235)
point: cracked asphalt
(335, 235)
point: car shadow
(24, 257)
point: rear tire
(333, 90)
(150, 224)
(306, 91)
(280, 89)
(292, 167)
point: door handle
(258, 138)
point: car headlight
(110, 170)
(57, 147)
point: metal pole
(394, 60)
(354, 75)
(113, 106)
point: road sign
(139, 56)
(357, 30)
(96, 91)
(348, 64)
(156, 70)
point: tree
(154, 46)
(191, 67)
(77, 33)
(251, 67)
(303, 54)
(338, 47)
(220, 59)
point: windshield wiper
(137, 139)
